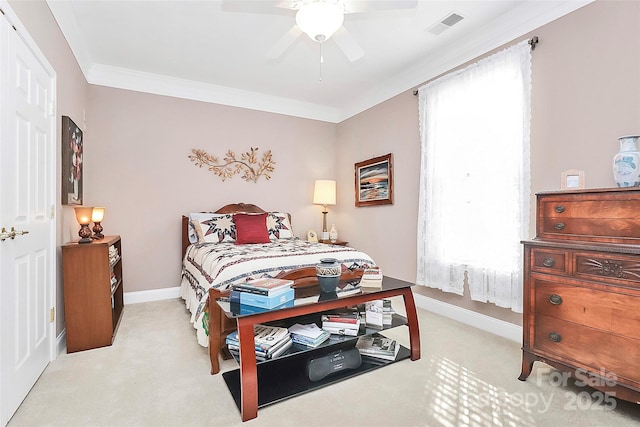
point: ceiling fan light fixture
(320, 19)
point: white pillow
(212, 228)
(279, 226)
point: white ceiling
(216, 51)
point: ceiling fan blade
(358, 6)
(278, 49)
(348, 44)
(271, 7)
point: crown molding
(512, 25)
(525, 18)
(139, 81)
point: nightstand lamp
(324, 194)
(97, 215)
(83, 216)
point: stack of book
(371, 278)
(266, 292)
(113, 255)
(378, 346)
(342, 323)
(309, 335)
(270, 342)
(114, 281)
(387, 312)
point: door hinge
(52, 315)
(53, 212)
(52, 108)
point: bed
(240, 242)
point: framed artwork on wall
(71, 162)
(374, 181)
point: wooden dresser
(582, 288)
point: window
(474, 188)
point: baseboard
(486, 323)
(129, 298)
(151, 295)
(61, 342)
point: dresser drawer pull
(548, 262)
(555, 337)
(555, 299)
(559, 209)
(559, 226)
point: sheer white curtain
(474, 183)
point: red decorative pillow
(251, 228)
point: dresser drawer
(596, 349)
(617, 268)
(549, 261)
(605, 216)
(607, 311)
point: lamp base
(85, 234)
(325, 235)
(97, 231)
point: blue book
(242, 309)
(262, 301)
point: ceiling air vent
(449, 21)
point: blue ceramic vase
(328, 272)
(626, 162)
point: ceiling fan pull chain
(321, 61)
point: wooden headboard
(226, 209)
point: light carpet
(155, 374)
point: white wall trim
(527, 17)
(123, 78)
(61, 342)
(151, 295)
(531, 14)
(486, 323)
(477, 320)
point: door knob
(4, 234)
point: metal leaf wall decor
(230, 165)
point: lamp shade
(83, 214)
(324, 192)
(320, 19)
(97, 215)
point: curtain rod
(533, 41)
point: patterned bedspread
(221, 265)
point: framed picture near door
(374, 181)
(71, 162)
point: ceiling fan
(319, 19)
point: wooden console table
(243, 383)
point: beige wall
(585, 93)
(137, 166)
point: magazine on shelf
(351, 332)
(374, 313)
(378, 346)
(310, 335)
(261, 353)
